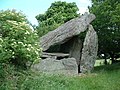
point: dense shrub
(18, 42)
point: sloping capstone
(66, 31)
(53, 66)
(89, 51)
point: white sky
(31, 8)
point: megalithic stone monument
(83, 53)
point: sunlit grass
(100, 62)
(103, 78)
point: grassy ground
(103, 78)
(100, 62)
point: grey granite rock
(66, 31)
(53, 66)
(89, 51)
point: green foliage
(58, 13)
(107, 24)
(18, 43)
(43, 30)
(11, 78)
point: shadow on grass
(108, 68)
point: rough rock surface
(52, 66)
(89, 51)
(66, 31)
(82, 55)
(75, 50)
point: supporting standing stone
(89, 51)
(76, 49)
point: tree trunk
(105, 57)
(112, 54)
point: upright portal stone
(75, 50)
(89, 51)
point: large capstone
(66, 31)
(89, 51)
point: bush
(11, 78)
(18, 43)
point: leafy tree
(18, 43)
(58, 13)
(107, 25)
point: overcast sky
(31, 8)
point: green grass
(103, 78)
(11, 78)
(100, 62)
